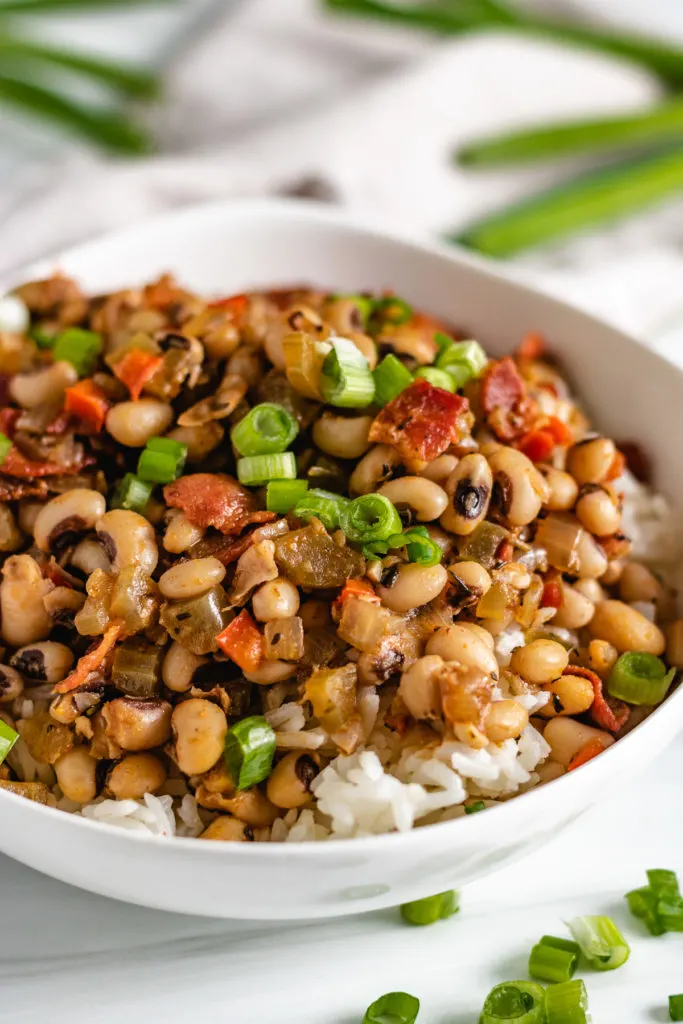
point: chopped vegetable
(162, 460)
(5, 445)
(640, 678)
(282, 495)
(537, 445)
(515, 1002)
(554, 959)
(567, 1003)
(310, 558)
(421, 422)
(601, 942)
(78, 347)
(392, 310)
(431, 908)
(8, 737)
(136, 668)
(132, 493)
(88, 402)
(196, 621)
(438, 378)
(372, 517)
(391, 378)
(393, 1008)
(136, 368)
(358, 588)
(475, 807)
(242, 641)
(346, 378)
(659, 904)
(91, 660)
(304, 358)
(611, 715)
(324, 505)
(587, 752)
(676, 1007)
(256, 470)
(462, 360)
(249, 751)
(643, 904)
(332, 693)
(267, 429)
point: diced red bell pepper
(559, 430)
(587, 753)
(552, 593)
(8, 420)
(611, 715)
(357, 588)
(422, 422)
(617, 468)
(91, 660)
(242, 641)
(136, 368)
(532, 346)
(235, 304)
(88, 402)
(537, 445)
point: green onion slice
(131, 493)
(5, 445)
(267, 429)
(664, 884)
(438, 378)
(42, 338)
(676, 1007)
(392, 310)
(463, 360)
(421, 549)
(282, 495)
(162, 460)
(550, 961)
(475, 807)
(8, 737)
(601, 942)
(393, 1008)
(431, 909)
(346, 379)
(567, 1003)
(514, 1002)
(249, 751)
(260, 469)
(370, 518)
(643, 904)
(640, 678)
(78, 347)
(391, 378)
(323, 505)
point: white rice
(154, 814)
(651, 525)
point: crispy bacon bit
(16, 464)
(88, 403)
(15, 490)
(136, 368)
(636, 460)
(242, 641)
(531, 347)
(504, 399)
(422, 422)
(505, 551)
(214, 499)
(91, 661)
(537, 445)
(587, 753)
(60, 423)
(8, 420)
(552, 593)
(607, 713)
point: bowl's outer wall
(632, 394)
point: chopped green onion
(346, 379)
(551, 962)
(676, 1007)
(369, 518)
(393, 1008)
(431, 909)
(463, 360)
(555, 942)
(282, 495)
(131, 493)
(664, 884)
(643, 904)
(391, 378)
(601, 942)
(267, 429)
(249, 751)
(567, 1003)
(392, 310)
(43, 339)
(514, 1002)
(364, 303)
(640, 678)
(475, 807)
(261, 469)
(5, 445)
(670, 913)
(324, 505)
(162, 460)
(421, 549)
(442, 341)
(8, 737)
(78, 347)
(438, 378)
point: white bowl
(632, 393)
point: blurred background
(548, 134)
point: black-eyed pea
(11, 538)
(76, 773)
(413, 586)
(24, 617)
(674, 644)
(191, 578)
(62, 519)
(472, 579)
(591, 560)
(344, 437)
(440, 468)
(569, 695)
(228, 829)
(46, 661)
(129, 540)
(590, 589)
(135, 724)
(458, 643)
(626, 628)
(637, 583)
(315, 614)
(136, 775)
(11, 684)
(180, 533)
(567, 737)
(199, 728)
(481, 632)
(601, 657)
(271, 672)
(373, 469)
(200, 439)
(27, 514)
(613, 572)
(468, 489)
(426, 499)
(563, 490)
(42, 387)
(179, 666)
(419, 687)
(133, 423)
(575, 611)
(539, 662)
(598, 511)
(520, 489)
(505, 720)
(276, 599)
(590, 461)
(289, 783)
(88, 556)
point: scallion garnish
(640, 678)
(346, 380)
(439, 378)
(43, 338)
(554, 959)
(676, 1007)
(371, 517)
(393, 1008)
(78, 347)
(475, 807)
(267, 429)
(463, 360)
(162, 460)
(131, 493)
(5, 445)
(282, 495)
(8, 737)
(659, 904)
(431, 908)
(566, 1003)
(643, 904)
(391, 378)
(392, 310)
(601, 942)
(514, 1002)
(664, 883)
(261, 469)
(420, 548)
(323, 505)
(249, 751)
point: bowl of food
(336, 570)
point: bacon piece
(532, 346)
(91, 661)
(607, 713)
(8, 420)
(552, 593)
(214, 499)
(16, 464)
(504, 399)
(422, 422)
(15, 490)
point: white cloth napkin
(383, 146)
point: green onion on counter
(601, 942)
(393, 1008)
(431, 908)
(566, 1003)
(676, 1007)
(514, 1002)
(553, 959)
